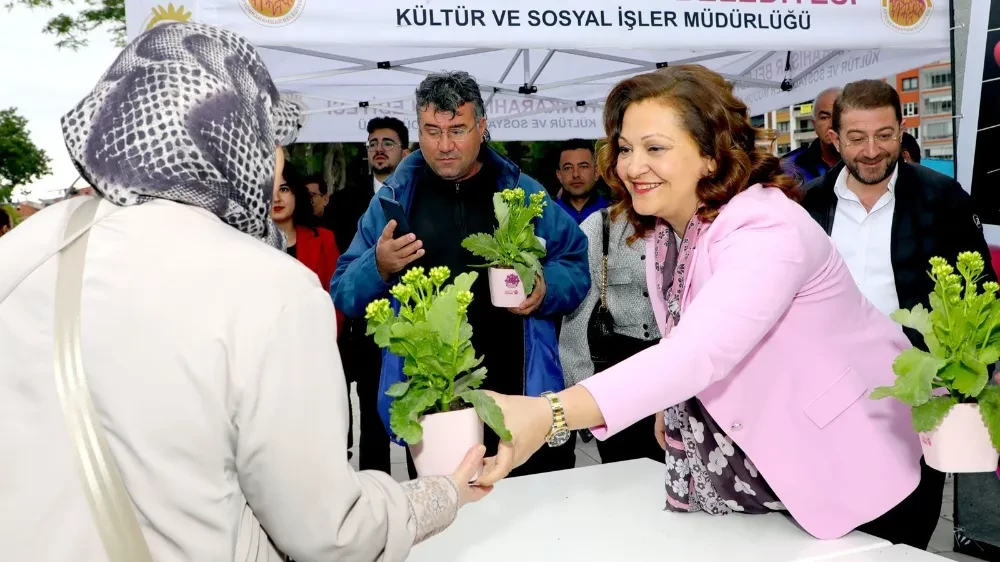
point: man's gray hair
(446, 91)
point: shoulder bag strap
(110, 504)
(605, 234)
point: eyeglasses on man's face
(387, 144)
(857, 140)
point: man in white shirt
(887, 218)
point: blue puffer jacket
(357, 282)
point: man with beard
(577, 174)
(888, 218)
(446, 190)
(387, 142)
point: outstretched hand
(468, 491)
(529, 420)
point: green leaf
(406, 410)
(915, 372)
(882, 392)
(527, 277)
(535, 246)
(968, 376)
(531, 261)
(488, 411)
(928, 416)
(467, 359)
(465, 332)
(472, 380)
(482, 245)
(383, 335)
(501, 210)
(465, 281)
(990, 355)
(398, 389)
(917, 318)
(443, 316)
(989, 409)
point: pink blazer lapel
(655, 296)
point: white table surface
(896, 553)
(615, 513)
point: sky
(44, 82)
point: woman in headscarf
(209, 355)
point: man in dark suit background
(888, 218)
(387, 144)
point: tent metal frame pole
(582, 79)
(322, 74)
(541, 67)
(506, 71)
(646, 63)
(831, 55)
(442, 56)
(735, 78)
(527, 65)
(757, 63)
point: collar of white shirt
(377, 184)
(844, 193)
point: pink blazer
(780, 346)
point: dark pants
(913, 520)
(547, 459)
(362, 361)
(634, 442)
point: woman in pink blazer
(770, 351)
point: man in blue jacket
(446, 190)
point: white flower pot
(506, 289)
(961, 443)
(448, 436)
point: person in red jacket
(314, 246)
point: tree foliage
(71, 29)
(21, 162)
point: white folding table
(895, 553)
(615, 513)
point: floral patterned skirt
(708, 472)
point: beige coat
(214, 369)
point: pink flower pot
(506, 289)
(961, 443)
(448, 436)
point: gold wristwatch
(559, 434)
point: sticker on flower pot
(438, 410)
(955, 406)
(512, 253)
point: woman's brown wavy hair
(716, 120)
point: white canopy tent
(545, 69)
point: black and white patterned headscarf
(187, 113)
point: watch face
(559, 438)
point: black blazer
(346, 208)
(933, 217)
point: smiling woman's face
(660, 163)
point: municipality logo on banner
(165, 14)
(273, 13)
(906, 16)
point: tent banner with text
(545, 67)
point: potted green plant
(439, 409)
(512, 252)
(955, 409)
